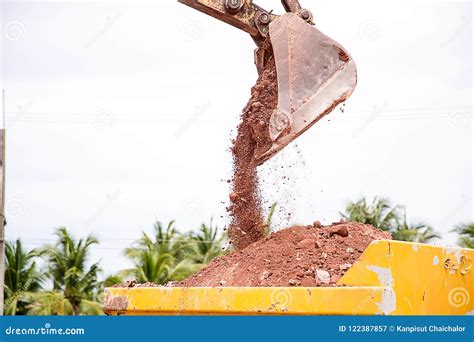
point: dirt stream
(247, 223)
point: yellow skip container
(390, 278)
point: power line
(36, 241)
(84, 118)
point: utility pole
(2, 204)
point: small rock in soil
(345, 267)
(341, 231)
(294, 282)
(323, 277)
(233, 197)
(307, 243)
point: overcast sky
(119, 114)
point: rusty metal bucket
(314, 75)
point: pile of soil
(247, 223)
(297, 256)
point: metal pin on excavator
(314, 72)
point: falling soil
(296, 256)
(247, 223)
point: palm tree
(379, 213)
(466, 234)
(112, 280)
(420, 232)
(161, 258)
(21, 277)
(48, 303)
(427, 235)
(206, 243)
(74, 283)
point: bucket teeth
(314, 75)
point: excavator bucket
(314, 75)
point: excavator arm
(314, 72)
(246, 15)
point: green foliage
(48, 303)
(112, 280)
(21, 277)
(381, 214)
(268, 223)
(206, 244)
(72, 279)
(421, 233)
(466, 234)
(169, 255)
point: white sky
(120, 113)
